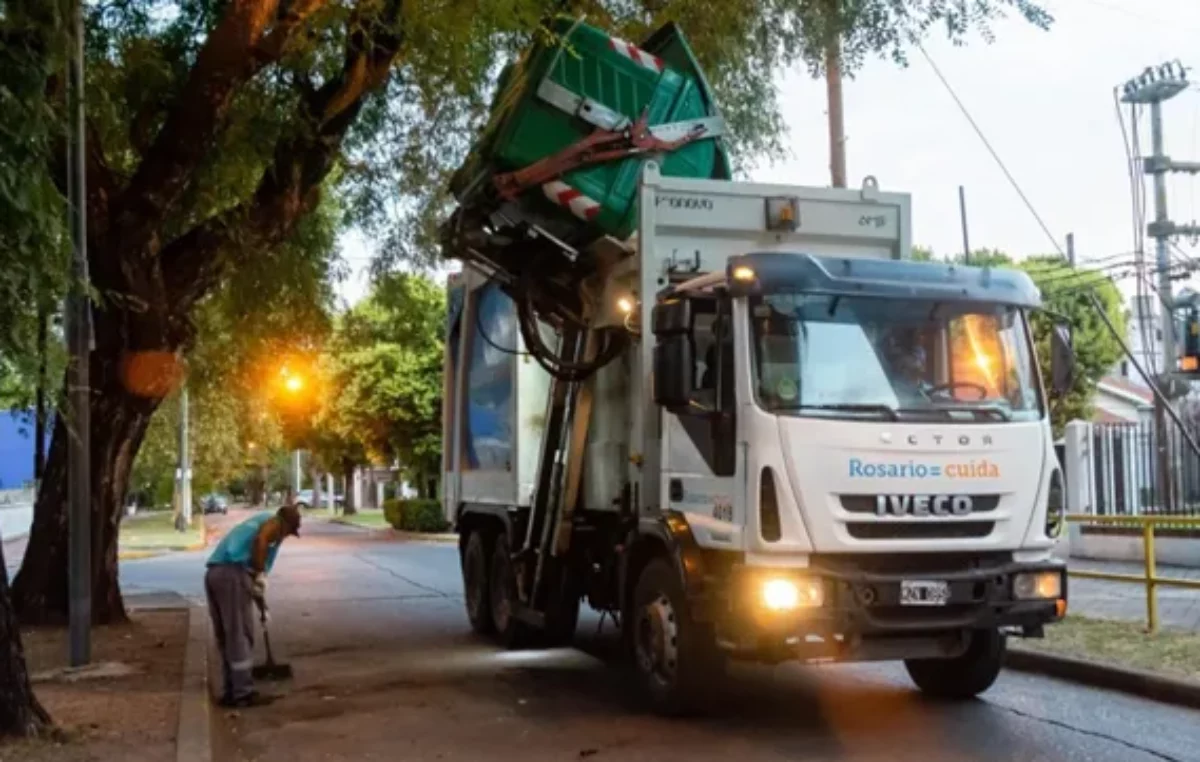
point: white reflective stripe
(564, 195)
(242, 665)
(636, 54)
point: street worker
(236, 578)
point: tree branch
(193, 264)
(224, 63)
(271, 47)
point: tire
(963, 677)
(502, 596)
(476, 573)
(676, 660)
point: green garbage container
(557, 94)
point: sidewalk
(1177, 607)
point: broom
(272, 670)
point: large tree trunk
(119, 421)
(20, 713)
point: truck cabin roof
(768, 272)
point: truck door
(701, 463)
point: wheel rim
(657, 639)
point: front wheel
(676, 658)
(964, 676)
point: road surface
(386, 669)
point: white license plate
(924, 593)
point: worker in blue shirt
(236, 578)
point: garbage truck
(736, 418)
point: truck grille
(922, 530)
(866, 503)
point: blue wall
(16, 449)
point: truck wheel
(475, 584)
(502, 595)
(677, 659)
(965, 676)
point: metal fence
(1125, 471)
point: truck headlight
(782, 594)
(1040, 585)
(1056, 506)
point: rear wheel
(965, 676)
(502, 593)
(475, 584)
(676, 658)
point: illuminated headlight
(1056, 507)
(788, 594)
(1032, 586)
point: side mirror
(1062, 359)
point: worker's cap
(290, 516)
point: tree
(1068, 292)
(835, 37)
(386, 376)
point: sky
(1043, 99)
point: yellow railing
(1150, 577)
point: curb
(1137, 682)
(193, 737)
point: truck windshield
(893, 359)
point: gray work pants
(230, 604)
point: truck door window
(711, 428)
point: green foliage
(1068, 291)
(383, 365)
(889, 28)
(421, 515)
(33, 233)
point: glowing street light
(293, 383)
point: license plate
(924, 593)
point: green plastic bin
(538, 111)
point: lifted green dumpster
(574, 120)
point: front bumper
(860, 607)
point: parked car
(214, 503)
(304, 499)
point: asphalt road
(386, 669)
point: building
(1121, 400)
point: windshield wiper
(992, 411)
(887, 412)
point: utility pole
(1153, 87)
(1071, 249)
(79, 339)
(183, 475)
(962, 213)
(833, 93)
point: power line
(1016, 186)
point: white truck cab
(796, 444)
